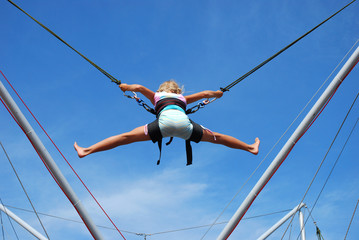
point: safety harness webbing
(155, 132)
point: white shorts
(175, 123)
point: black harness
(155, 133)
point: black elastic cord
(118, 82)
(275, 55)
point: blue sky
(203, 45)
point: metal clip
(132, 97)
(208, 100)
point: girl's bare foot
(255, 147)
(80, 151)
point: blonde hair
(170, 86)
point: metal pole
(231, 225)
(302, 225)
(280, 222)
(22, 223)
(44, 154)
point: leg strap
(196, 137)
(155, 135)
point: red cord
(103, 210)
(296, 142)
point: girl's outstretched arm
(204, 94)
(139, 88)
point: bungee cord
(281, 51)
(113, 79)
(200, 105)
(227, 88)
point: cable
(224, 222)
(53, 174)
(118, 82)
(285, 48)
(270, 151)
(23, 188)
(351, 220)
(67, 219)
(12, 226)
(331, 171)
(2, 226)
(320, 165)
(156, 233)
(88, 190)
(290, 232)
(200, 105)
(4, 233)
(319, 234)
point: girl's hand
(130, 87)
(218, 94)
(124, 87)
(138, 88)
(214, 95)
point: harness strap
(156, 136)
(196, 137)
(160, 148)
(161, 104)
(169, 142)
(189, 152)
(155, 132)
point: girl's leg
(229, 141)
(136, 135)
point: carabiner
(208, 100)
(133, 97)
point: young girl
(171, 121)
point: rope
(279, 52)
(320, 165)
(202, 104)
(12, 226)
(290, 232)
(331, 171)
(149, 234)
(67, 219)
(225, 89)
(48, 169)
(300, 113)
(351, 220)
(59, 152)
(23, 188)
(2, 227)
(118, 82)
(319, 234)
(224, 222)
(318, 114)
